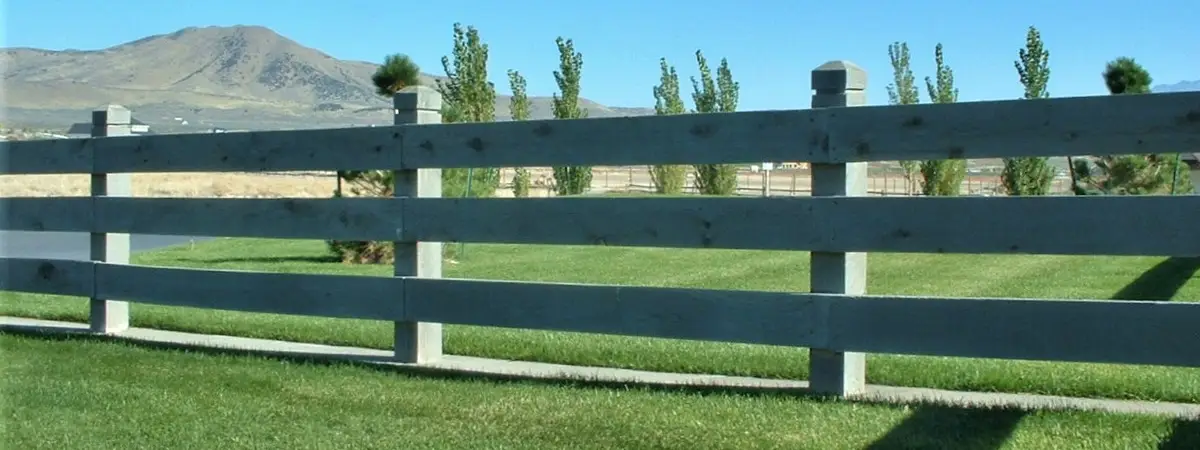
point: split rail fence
(837, 320)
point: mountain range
(238, 77)
(1182, 86)
(219, 73)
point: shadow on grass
(1162, 281)
(323, 259)
(387, 364)
(1185, 435)
(935, 426)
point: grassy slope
(947, 275)
(88, 394)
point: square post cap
(112, 115)
(839, 76)
(418, 98)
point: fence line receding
(838, 321)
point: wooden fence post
(837, 84)
(418, 342)
(108, 316)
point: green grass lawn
(85, 393)
(947, 275)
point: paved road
(59, 245)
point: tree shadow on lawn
(1162, 281)
(1185, 435)
(931, 424)
(388, 365)
(939, 426)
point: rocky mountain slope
(227, 68)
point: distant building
(1193, 162)
(84, 129)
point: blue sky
(771, 44)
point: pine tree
(1130, 174)
(668, 179)
(1125, 76)
(1032, 175)
(945, 176)
(468, 96)
(718, 96)
(397, 72)
(518, 108)
(903, 91)
(569, 180)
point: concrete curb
(471, 366)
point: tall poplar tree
(904, 91)
(668, 179)
(718, 96)
(1030, 175)
(569, 180)
(518, 108)
(942, 176)
(468, 96)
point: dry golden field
(204, 184)
(322, 184)
(253, 185)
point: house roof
(86, 127)
(80, 128)
(1191, 159)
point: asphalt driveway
(61, 245)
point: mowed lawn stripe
(906, 274)
(75, 394)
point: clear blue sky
(771, 44)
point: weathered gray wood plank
(1097, 125)
(45, 156)
(1147, 225)
(358, 297)
(323, 149)
(743, 137)
(328, 218)
(1102, 331)
(830, 371)
(729, 316)
(46, 213)
(47, 276)
(107, 315)
(417, 342)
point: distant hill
(244, 68)
(1182, 86)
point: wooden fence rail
(837, 320)
(1114, 331)
(1148, 226)
(1131, 124)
